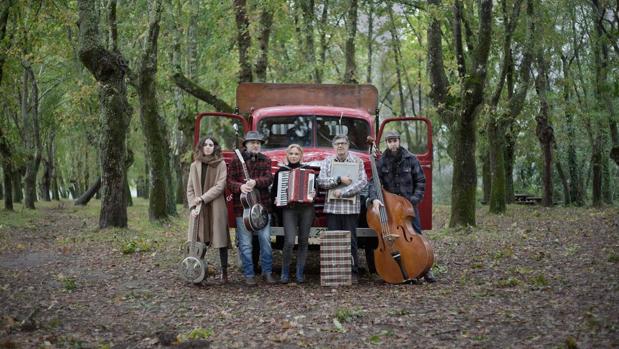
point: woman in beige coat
(206, 184)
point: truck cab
(311, 115)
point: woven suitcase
(335, 258)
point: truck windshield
(313, 131)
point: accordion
(295, 185)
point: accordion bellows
(296, 185)
(335, 258)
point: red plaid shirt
(259, 168)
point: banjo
(193, 266)
(255, 216)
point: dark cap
(253, 136)
(392, 134)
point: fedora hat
(392, 134)
(253, 136)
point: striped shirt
(327, 181)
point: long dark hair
(216, 151)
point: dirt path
(550, 280)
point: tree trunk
(244, 40)
(307, 6)
(396, 49)
(497, 166)
(161, 203)
(509, 168)
(464, 182)
(62, 186)
(7, 168)
(46, 181)
(596, 169)
(128, 163)
(88, 194)
(266, 22)
(322, 53)
(601, 90)
(350, 72)
(564, 181)
(8, 187)
(607, 195)
(544, 131)
(460, 114)
(51, 155)
(109, 69)
(370, 39)
(32, 139)
(181, 197)
(146, 187)
(184, 130)
(486, 176)
(575, 184)
(18, 188)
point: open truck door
(416, 136)
(221, 127)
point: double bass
(402, 254)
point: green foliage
(137, 244)
(195, 334)
(68, 283)
(376, 339)
(347, 314)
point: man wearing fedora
(400, 173)
(259, 169)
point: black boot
(429, 277)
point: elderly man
(342, 209)
(259, 169)
(401, 174)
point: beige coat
(213, 222)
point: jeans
(417, 222)
(299, 217)
(346, 222)
(244, 238)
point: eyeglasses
(340, 143)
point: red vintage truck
(322, 111)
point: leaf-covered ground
(532, 278)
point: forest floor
(531, 278)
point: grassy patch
(19, 217)
(399, 312)
(69, 283)
(613, 258)
(376, 339)
(506, 252)
(571, 250)
(539, 281)
(346, 314)
(195, 334)
(509, 282)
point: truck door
(416, 136)
(221, 127)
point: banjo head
(193, 269)
(259, 217)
